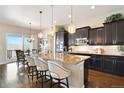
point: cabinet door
(114, 32)
(120, 32)
(95, 62)
(78, 33)
(100, 36)
(108, 33)
(108, 64)
(120, 66)
(82, 32)
(93, 37)
(91, 63)
(98, 63)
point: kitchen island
(74, 63)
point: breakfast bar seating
(42, 69)
(74, 64)
(31, 68)
(58, 73)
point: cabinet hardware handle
(112, 41)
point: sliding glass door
(17, 42)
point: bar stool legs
(42, 77)
(67, 82)
(51, 80)
(59, 82)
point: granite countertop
(66, 58)
(91, 53)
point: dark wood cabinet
(82, 32)
(105, 63)
(119, 66)
(108, 64)
(93, 37)
(95, 62)
(114, 32)
(61, 41)
(114, 65)
(96, 36)
(120, 32)
(100, 36)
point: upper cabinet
(82, 32)
(96, 36)
(111, 34)
(114, 33)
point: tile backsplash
(107, 49)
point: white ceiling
(22, 15)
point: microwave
(81, 41)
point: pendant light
(40, 34)
(71, 27)
(52, 25)
(31, 38)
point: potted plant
(114, 17)
(121, 49)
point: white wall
(4, 29)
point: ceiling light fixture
(93, 7)
(31, 38)
(69, 16)
(40, 34)
(71, 27)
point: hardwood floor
(104, 80)
(12, 77)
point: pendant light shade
(71, 27)
(40, 34)
(31, 38)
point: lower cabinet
(95, 62)
(109, 64)
(120, 66)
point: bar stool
(42, 68)
(58, 73)
(32, 70)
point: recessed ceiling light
(69, 16)
(92, 7)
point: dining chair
(58, 72)
(20, 57)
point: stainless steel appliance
(81, 41)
